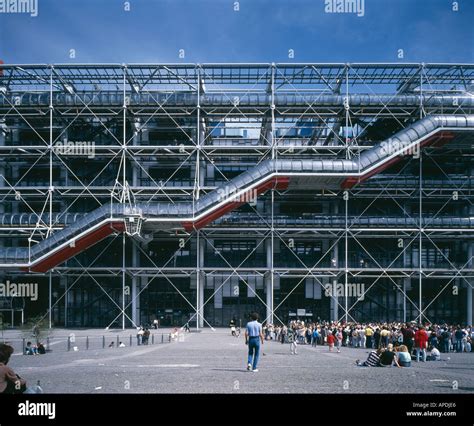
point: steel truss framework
(174, 132)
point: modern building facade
(202, 192)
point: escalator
(281, 174)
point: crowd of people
(385, 338)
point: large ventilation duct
(355, 222)
(462, 100)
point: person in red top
(330, 341)
(421, 343)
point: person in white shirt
(140, 334)
(435, 355)
(362, 338)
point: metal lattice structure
(266, 187)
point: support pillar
(138, 134)
(142, 283)
(399, 302)
(2, 182)
(334, 308)
(269, 281)
(124, 278)
(135, 293)
(407, 264)
(470, 283)
(50, 300)
(469, 319)
(200, 281)
(201, 301)
(334, 301)
(405, 289)
(63, 284)
(135, 302)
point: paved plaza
(214, 362)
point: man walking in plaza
(253, 338)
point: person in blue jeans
(253, 338)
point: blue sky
(262, 31)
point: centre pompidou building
(201, 192)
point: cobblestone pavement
(213, 361)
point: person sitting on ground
(434, 355)
(30, 349)
(373, 359)
(112, 345)
(174, 334)
(41, 349)
(121, 345)
(403, 356)
(10, 382)
(388, 357)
